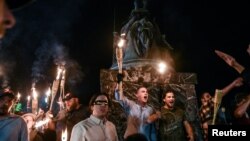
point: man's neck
(142, 104)
(168, 107)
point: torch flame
(48, 92)
(121, 41)
(34, 93)
(18, 96)
(64, 135)
(41, 123)
(162, 67)
(28, 98)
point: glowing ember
(64, 135)
(41, 123)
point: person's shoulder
(14, 116)
(110, 124)
(17, 118)
(80, 124)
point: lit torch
(41, 123)
(119, 58)
(34, 101)
(55, 87)
(28, 103)
(62, 83)
(18, 97)
(47, 98)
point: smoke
(61, 58)
(52, 51)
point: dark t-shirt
(70, 119)
(171, 124)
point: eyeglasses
(101, 102)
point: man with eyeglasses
(12, 127)
(96, 127)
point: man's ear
(135, 94)
(77, 100)
(92, 108)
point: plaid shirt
(206, 111)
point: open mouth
(171, 102)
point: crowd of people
(91, 123)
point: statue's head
(140, 6)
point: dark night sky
(49, 32)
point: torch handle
(119, 63)
(53, 93)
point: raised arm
(236, 83)
(189, 130)
(155, 116)
(118, 93)
(230, 61)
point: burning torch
(119, 57)
(34, 105)
(64, 135)
(28, 103)
(55, 87)
(62, 83)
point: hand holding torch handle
(119, 58)
(53, 92)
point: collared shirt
(206, 112)
(13, 128)
(94, 129)
(137, 116)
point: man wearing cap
(67, 118)
(12, 127)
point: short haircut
(141, 86)
(167, 91)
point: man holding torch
(67, 118)
(138, 111)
